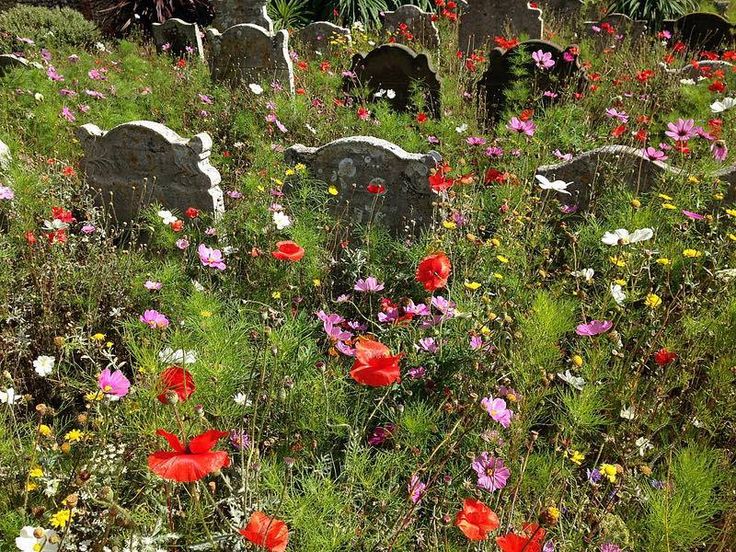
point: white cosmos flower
(241, 399)
(586, 273)
(281, 220)
(643, 445)
(627, 412)
(722, 105)
(618, 294)
(462, 128)
(167, 217)
(9, 396)
(573, 381)
(257, 89)
(28, 541)
(180, 356)
(621, 236)
(558, 185)
(44, 365)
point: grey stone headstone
(178, 35)
(704, 68)
(561, 8)
(418, 23)
(5, 157)
(482, 20)
(591, 170)
(352, 164)
(236, 12)
(703, 31)
(248, 53)
(142, 162)
(398, 68)
(318, 36)
(11, 61)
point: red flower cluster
(530, 541)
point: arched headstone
(410, 21)
(482, 20)
(11, 61)
(237, 12)
(703, 31)
(180, 36)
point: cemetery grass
(649, 404)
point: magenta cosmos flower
(113, 384)
(682, 130)
(497, 410)
(594, 327)
(525, 127)
(369, 285)
(154, 319)
(543, 59)
(653, 154)
(210, 257)
(492, 474)
(416, 489)
(719, 149)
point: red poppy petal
(172, 439)
(183, 467)
(205, 441)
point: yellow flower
(472, 286)
(60, 519)
(485, 330)
(332, 190)
(608, 471)
(74, 436)
(553, 513)
(495, 242)
(108, 344)
(276, 295)
(620, 282)
(731, 212)
(498, 276)
(664, 196)
(205, 314)
(718, 196)
(98, 337)
(301, 167)
(617, 261)
(317, 282)
(576, 457)
(693, 179)
(450, 225)
(471, 237)
(692, 253)
(732, 237)
(288, 172)
(502, 259)
(664, 261)
(635, 203)
(669, 206)
(36, 471)
(653, 301)
(94, 396)
(577, 360)
(31, 486)
(45, 430)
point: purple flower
(492, 474)
(681, 131)
(97, 74)
(428, 344)
(433, 140)
(549, 546)
(205, 99)
(563, 156)
(113, 384)
(719, 149)
(494, 151)
(331, 325)
(67, 114)
(416, 489)
(94, 94)
(67, 92)
(615, 114)
(653, 154)
(610, 547)
(594, 476)
(239, 439)
(45, 55)
(152, 286)
(692, 216)
(475, 140)
(154, 319)
(6, 193)
(369, 285)
(381, 434)
(344, 349)
(53, 74)
(525, 127)
(417, 373)
(543, 59)
(594, 327)
(476, 342)
(568, 56)
(210, 257)
(497, 410)
(182, 243)
(234, 194)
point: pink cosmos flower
(681, 131)
(653, 154)
(525, 127)
(475, 140)
(182, 243)
(492, 474)
(154, 319)
(369, 285)
(152, 286)
(497, 410)
(543, 59)
(719, 150)
(613, 113)
(113, 384)
(67, 114)
(416, 489)
(97, 74)
(562, 156)
(210, 257)
(594, 327)
(53, 74)
(6, 193)
(94, 94)
(88, 229)
(692, 216)
(494, 151)
(428, 344)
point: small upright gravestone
(319, 36)
(178, 37)
(376, 181)
(5, 157)
(562, 69)
(237, 12)
(409, 25)
(142, 162)
(483, 20)
(11, 61)
(392, 71)
(703, 31)
(247, 53)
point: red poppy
(177, 225)
(376, 188)
(663, 357)
(618, 131)
(30, 238)
(433, 271)
(191, 462)
(175, 379)
(288, 251)
(476, 520)
(531, 541)
(363, 114)
(192, 213)
(59, 213)
(421, 117)
(494, 175)
(266, 532)
(374, 365)
(68, 171)
(439, 181)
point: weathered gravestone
(561, 8)
(613, 26)
(483, 20)
(504, 70)
(141, 162)
(400, 195)
(319, 36)
(593, 169)
(5, 157)
(237, 12)
(393, 72)
(11, 61)
(703, 31)
(409, 24)
(247, 53)
(704, 68)
(180, 36)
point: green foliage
(653, 11)
(47, 27)
(289, 14)
(124, 16)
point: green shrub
(48, 28)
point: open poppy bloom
(191, 462)
(433, 271)
(175, 380)
(531, 541)
(266, 532)
(476, 520)
(288, 251)
(374, 365)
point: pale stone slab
(352, 164)
(237, 12)
(179, 35)
(409, 20)
(11, 61)
(142, 162)
(318, 36)
(5, 157)
(482, 20)
(248, 53)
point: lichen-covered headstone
(392, 72)
(505, 68)
(592, 170)
(11, 61)
(483, 20)
(178, 37)
(237, 12)
(408, 24)
(703, 31)
(376, 180)
(320, 35)
(142, 162)
(5, 157)
(247, 53)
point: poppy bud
(171, 397)
(66, 448)
(38, 533)
(212, 486)
(41, 409)
(82, 419)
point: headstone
(237, 12)
(561, 8)
(703, 31)
(318, 36)
(590, 171)
(11, 61)
(614, 25)
(141, 162)
(392, 72)
(5, 157)
(504, 70)
(409, 25)
(353, 164)
(247, 53)
(704, 68)
(179, 35)
(482, 20)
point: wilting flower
(152, 286)
(381, 434)
(266, 532)
(175, 383)
(433, 271)
(44, 365)
(529, 541)
(543, 59)
(594, 327)
(476, 520)
(154, 319)
(113, 384)
(210, 257)
(572, 380)
(497, 410)
(416, 489)
(492, 474)
(288, 251)
(374, 365)
(369, 285)
(622, 236)
(191, 462)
